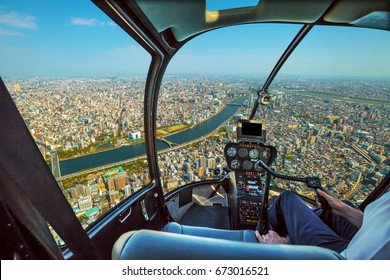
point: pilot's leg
(338, 224)
(289, 215)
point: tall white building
(127, 190)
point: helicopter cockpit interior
(163, 212)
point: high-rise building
(203, 161)
(55, 165)
(190, 176)
(73, 193)
(80, 189)
(378, 176)
(88, 190)
(184, 117)
(309, 134)
(250, 101)
(128, 190)
(85, 203)
(114, 197)
(210, 163)
(111, 184)
(121, 180)
(201, 171)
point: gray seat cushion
(245, 235)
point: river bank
(342, 98)
(124, 153)
(142, 141)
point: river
(342, 98)
(94, 160)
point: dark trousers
(289, 215)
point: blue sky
(75, 38)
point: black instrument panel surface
(243, 156)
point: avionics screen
(251, 131)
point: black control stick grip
(311, 182)
(262, 225)
(315, 183)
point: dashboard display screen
(251, 131)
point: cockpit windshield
(328, 114)
(82, 98)
(142, 113)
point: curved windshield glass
(328, 116)
(207, 85)
(78, 81)
(330, 111)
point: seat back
(156, 245)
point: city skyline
(96, 144)
(306, 146)
(83, 41)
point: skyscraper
(201, 171)
(203, 161)
(128, 190)
(55, 165)
(121, 180)
(111, 184)
(250, 101)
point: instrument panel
(243, 156)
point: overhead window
(218, 5)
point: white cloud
(89, 22)
(107, 23)
(17, 20)
(84, 21)
(110, 23)
(4, 32)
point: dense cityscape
(333, 128)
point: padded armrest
(156, 245)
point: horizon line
(169, 75)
